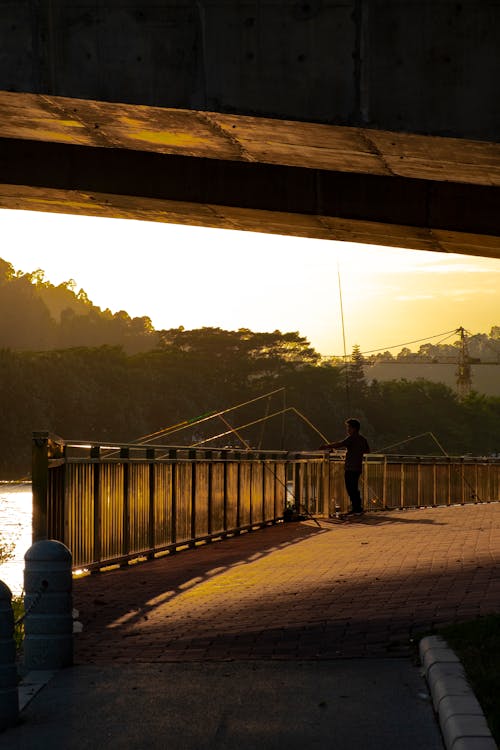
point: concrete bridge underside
(374, 121)
(258, 174)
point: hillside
(35, 315)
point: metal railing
(110, 503)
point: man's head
(353, 426)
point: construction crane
(464, 370)
(462, 359)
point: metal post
(192, 458)
(172, 454)
(237, 457)
(278, 482)
(150, 455)
(125, 454)
(95, 453)
(225, 457)
(463, 481)
(48, 625)
(250, 489)
(384, 483)
(297, 486)
(402, 487)
(209, 457)
(9, 702)
(264, 469)
(40, 479)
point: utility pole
(464, 371)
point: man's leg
(351, 485)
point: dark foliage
(68, 367)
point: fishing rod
(258, 421)
(273, 472)
(202, 418)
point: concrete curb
(461, 718)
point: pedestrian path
(311, 590)
(261, 641)
(260, 705)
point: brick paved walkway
(298, 591)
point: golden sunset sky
(196, 277)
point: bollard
(9, 701)
(48, 624)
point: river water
(15, 529)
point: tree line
(103, 393)
(70, 368)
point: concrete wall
(426, 66)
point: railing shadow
(379, 518)
(127, 595)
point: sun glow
(194, 277)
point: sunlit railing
(390, 482)
(110, 503)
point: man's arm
(329, 446)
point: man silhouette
(356, 446)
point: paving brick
(298, 590)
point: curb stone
(461, 718)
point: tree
(356, 375)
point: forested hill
(68, 367)
(36, 315)
(104, 394)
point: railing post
(237, 457)
(275, 485)
(384, 483)
(402, 488)
(326, 487)
(125, 454)
(48, 625)
(225, 458)
(172, 454)
(264, 469)
(463, 482)
(95, 453)
(150, 455)
(40, 480)
(9, 701)
(192, 458)
(209, 457)
(250, 488)
(297, 485)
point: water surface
(15, 529)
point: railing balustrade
(110, 503)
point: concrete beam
(425, 66)
(210, 169)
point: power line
(395, 346)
